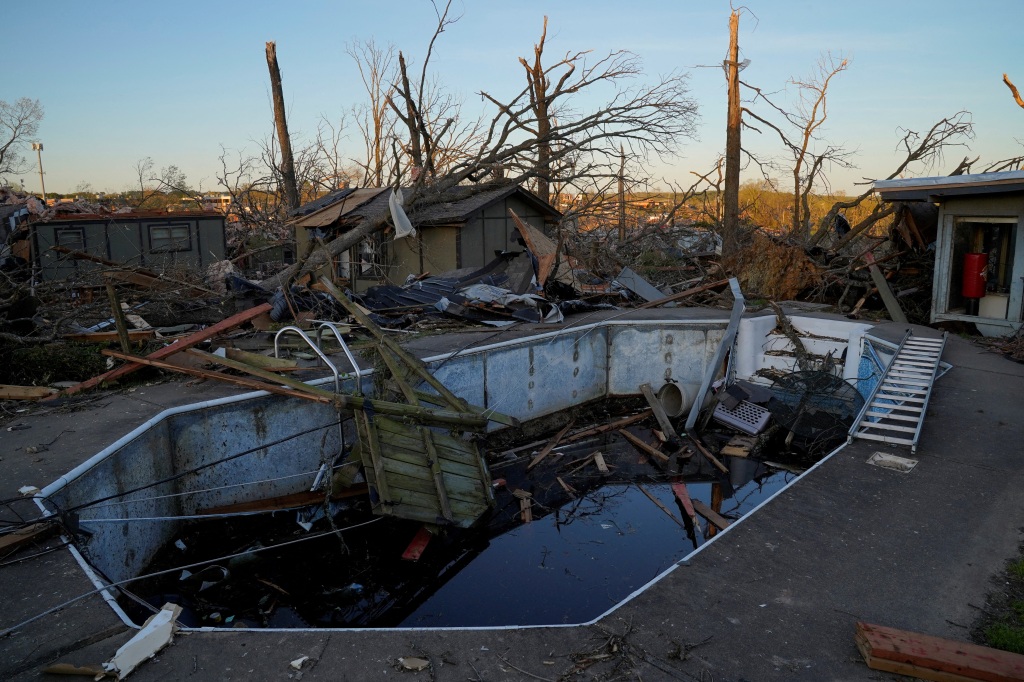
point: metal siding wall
(125, 242)
(440, 249)
(211, 240)
(473, 243)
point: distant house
(154, 240)
(467, 232)
(979, 246)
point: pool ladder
(895, 410)
(318, 349)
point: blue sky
(125, 80)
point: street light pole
(37, 147)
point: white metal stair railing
(895, 410)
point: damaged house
(464, 233)
(154, 240)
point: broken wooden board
(711, 515)
(683, 495)
(545, 250)
(934, 658)
(262, 361)
(134, 335)
(738, 446)
(418, 545)
(549, 447)
(661, 506)
(179, 345)
(646, 448)
(9, 392)
(289, 501)
(425, 478)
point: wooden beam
(684, 294)
(644, 447)
(303, 498)
(179, 345)
(413, 363)
(368, 436)
(892, 305)
(683, 495)
(711, 515)
(934, 658)
(9, 392)
(612, 426)
(599, 462)
(107, 337)
(659, 412)
(549, 447)
(119, 321)
(661, 506)
(262, 361)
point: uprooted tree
(583, 144)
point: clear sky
(124, 80)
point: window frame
(172, 245)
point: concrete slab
(773, 598)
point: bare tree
(646, 119)
(289, 185)
(927, 149)
(19, 122)
(1013, 90)
(374, 120)
(798, 130)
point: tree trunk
(411, 119)
(291, 192)
(731, 209)
(622, 194)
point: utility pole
(291, 192)
(731, 212)
(37, 147)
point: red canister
(975, 265)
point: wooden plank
(348, 402)
(613, 426)
(935, 656)
(659, 412)
(11, 392)
(892, 304)
(17, 538)
(300, 499)
(711, 515)
(435, 469)
(526, 509)
(245, 382)
(644, 447)
(371, 451)
(262, 361)
(398, 375)
(683, 495)
(119, 321)
(498, 417)
(738, 446)
(443, 441)
(418, 545)
(661, 506)
(550, 446)
(685, 294)
(707, 454)
(602, 466)
(179, 345)
(106, 337)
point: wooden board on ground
(108, 337)
(9, 392)
(934, 658)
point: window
(170, 237)
(71, 238)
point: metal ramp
(895, 410)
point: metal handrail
(316, 349)
(344, 346)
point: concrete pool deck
(775, 598)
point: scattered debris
(903, 465)
(413, 663)
(156, 633)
